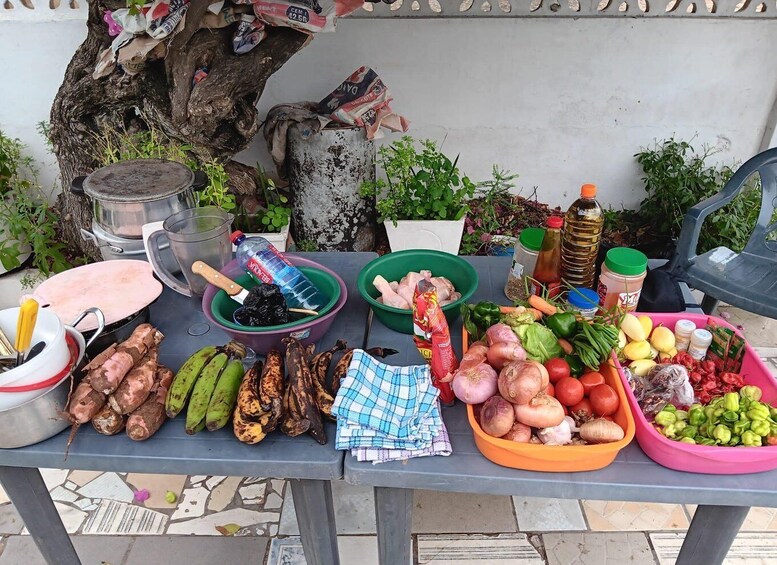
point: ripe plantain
(341, 369)
(185, 379)
(293, 423)
(251, 431)
(301, 385)
(224, 396)
(271, 382)
(203, 390)
(248, 401)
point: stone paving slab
(21, 550)
(186, 550)
(598, 549)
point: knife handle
(215, 278)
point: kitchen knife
(233, 290)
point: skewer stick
(303, 311)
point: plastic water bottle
(266, 264)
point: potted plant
(27, 221)
(423, 201)
(266, 213)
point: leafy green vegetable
(539, 342)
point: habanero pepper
(758, 411)
(696, 416)
(562, 324)
(731, 401)
(751, 439)
(760, 427)
(722, 434)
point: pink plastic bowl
(706, 458)
(262, 342)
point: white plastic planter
(442, 235)
(277, 239)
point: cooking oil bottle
(580, 239)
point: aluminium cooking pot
(128, 194)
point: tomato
(557, 369)
(550, 390)
(604, 400)
(582, 410)
(590, 380)
(569, 391)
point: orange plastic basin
(556, 458)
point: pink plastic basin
(706, 458)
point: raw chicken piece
(407, 285)
(394, 285)
(390, 298)
(452, 298)
(444, 288)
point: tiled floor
(122, 519)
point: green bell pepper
(722, 434)
(690, 431)
(576, 366)
(751, 439)
(665, 418)
(563, 324)
(750, 391)
(729, 417)
(760, 427)
(741, 427)
(731, 401)
(688, 440)
(696, 416)
(485, 314)
(758, 411)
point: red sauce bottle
(547, 272)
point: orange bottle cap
(588, 191)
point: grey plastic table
(309, 466)
(723, 500)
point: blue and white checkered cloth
(380, 407)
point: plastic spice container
(700, 341)
(583, 300)
(524, 260)
(682, 334)
(620, 283)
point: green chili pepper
(563, 324)
(722, 434)
(729, 417)
(690, 431)
(751, 439)
(681, 415)
(731, 401)
(687, 440)
(696, 415)
(758, 412)
(735, 440)
(485, 314)
(704, 440)
(576, 366)
(741, 427)
(760, 427)
(751, 392)
(665, 418)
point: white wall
(560, 101)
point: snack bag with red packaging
(433, 338)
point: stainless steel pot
(115, 247)
(128, 194)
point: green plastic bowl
(394, 266)
(223, 307)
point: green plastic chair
(747, 280)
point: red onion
(502, 353)
(519, 432)
(501, 333)
(497, 416)
(519, 382)
(476, 384)
(474, 356)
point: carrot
(542, 305)
(566, 346)
(536, 313)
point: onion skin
(601, 431)
(476, 384)
(519, 382)
(542, 411)
(501, 333)
(500, 354)
(497, 416)
(520, 433)
(543, 372)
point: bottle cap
(555, 222)
(236, 236)
(588, 191)
(626, 261)
(531, 238)
(684, 327)
(583, 298)
(701, 338)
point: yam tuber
(108, 422)
(85, 402)
(107, 376)
(136, 386)
(149, 417)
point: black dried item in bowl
(264, 306)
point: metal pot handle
(100, 323)
(77, 185)
(151, 234)
(200, 180)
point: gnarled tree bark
(217, 115)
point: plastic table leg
(28, 492)
(316, 518)
(711, 534)
(394, 517)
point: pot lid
(138, 180)
(119, 288)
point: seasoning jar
(583, 300)
(524, 260)
(620, 283)
(682, 334)
(700, 341)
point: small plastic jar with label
(620, 283)
(583, 300)
(524, 260)
(700, 342)
(682, 334)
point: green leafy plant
(676, 178)
(306, 245)
(421, 183)
(492, 197)
(272, 216)
(27, 220)
(217, 192)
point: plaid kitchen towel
(394, 402)
(351, 435)
(440, 445)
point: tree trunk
(217, 115)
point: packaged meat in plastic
(675, 379)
